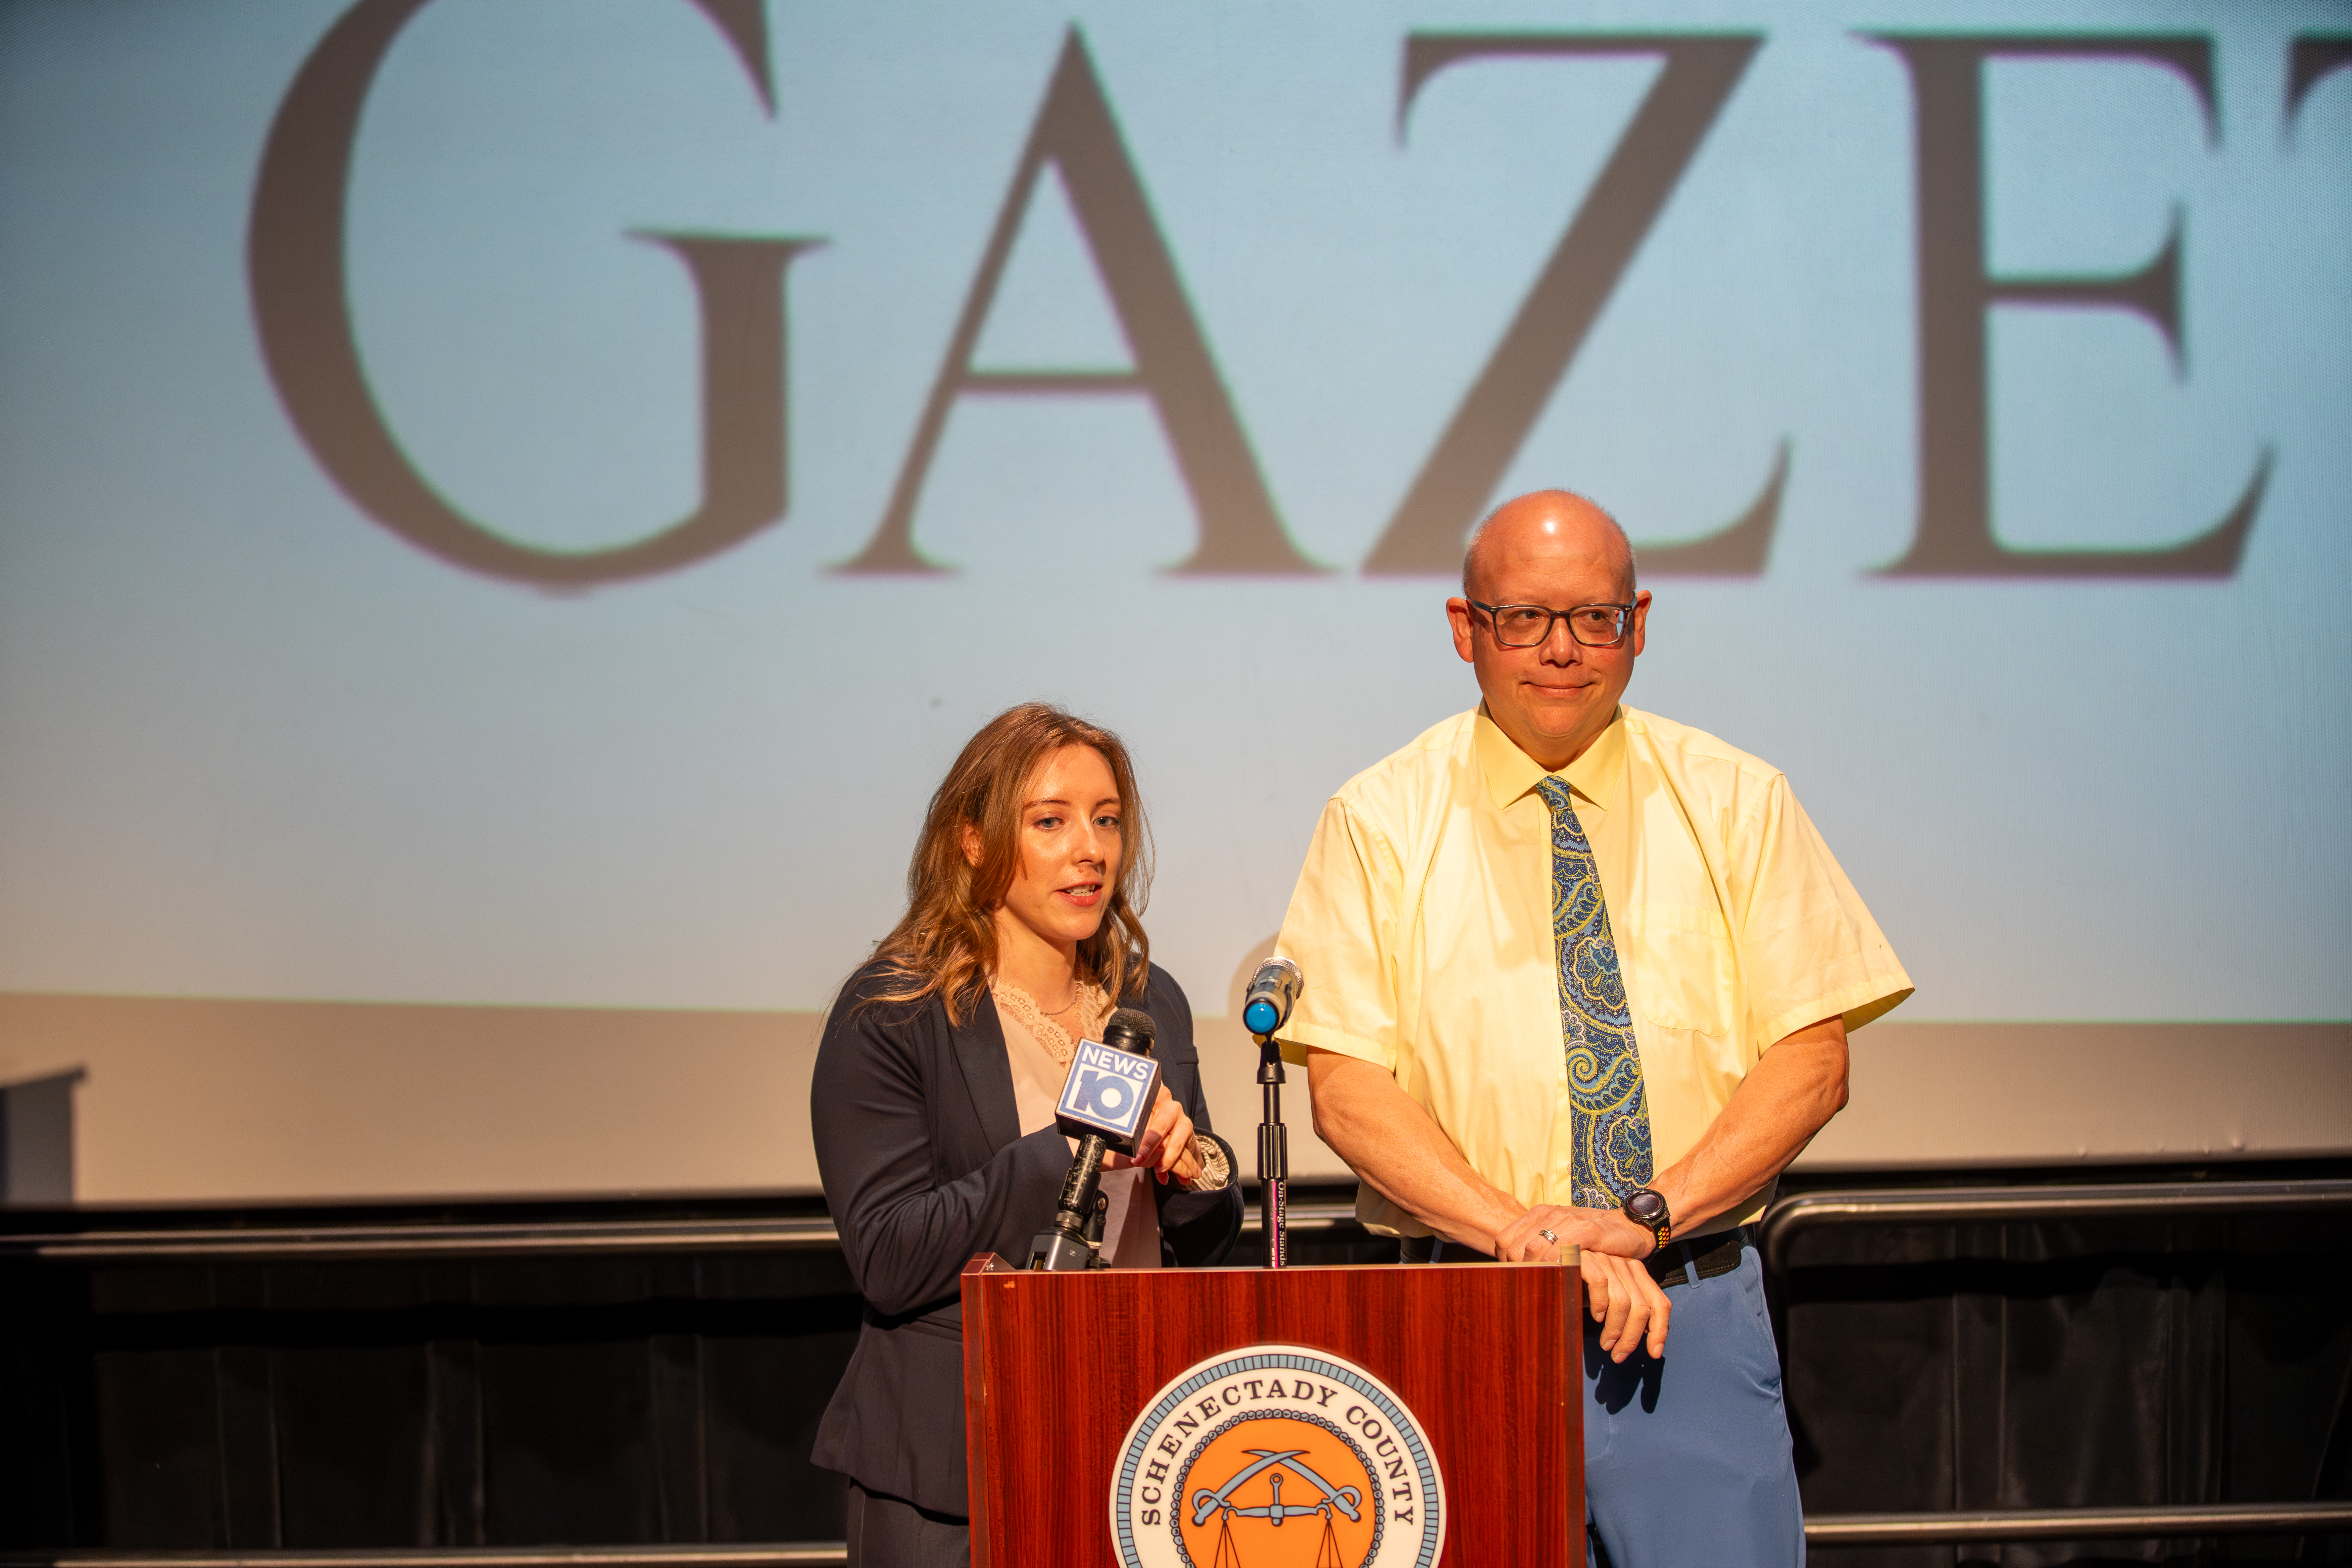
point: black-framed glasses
(1527, 625)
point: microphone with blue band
(1266, 1007)
(1105, 1103)
(1272, 992)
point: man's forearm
(1388, 1141)
(1794, 1088)
(1391, 1142)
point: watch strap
(1663, 1227)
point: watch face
(1645, 1208)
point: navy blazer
(919, 1143)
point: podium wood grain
(1486, 1356)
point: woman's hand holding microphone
(1167, 1146)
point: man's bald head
(1557, 553)
(1545, 524)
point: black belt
(1710, 1254)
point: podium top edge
(997, 1263)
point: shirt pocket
(1679, 971)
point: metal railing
(2078, 1524)
(1791, 1218)
(350, 1242)
(1904, 1207)
(783, 1554)
(1820, 1530)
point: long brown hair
(946, 942)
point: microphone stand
(1063, 1244)
(1273, 1156)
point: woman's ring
(1548, 1236)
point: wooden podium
(1067, 1395)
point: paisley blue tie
(1609, 1116)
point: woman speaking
(933, 1101)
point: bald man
(1582, 976)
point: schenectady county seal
(1277, 1457)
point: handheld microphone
(1272, 992)
(1105, 1103)
(1112, 1087)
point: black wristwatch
(1646, 1208)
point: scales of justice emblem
(1277, 1457)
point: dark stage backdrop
(506, 509)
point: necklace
(1077, 991)
(1058, 1039)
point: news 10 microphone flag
(1108, 1092)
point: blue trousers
(1686, 1457)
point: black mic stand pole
(1063, 1244)
(1273, 1156)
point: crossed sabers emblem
(1346, 1499)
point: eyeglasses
(1528, 626)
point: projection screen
(507, 508)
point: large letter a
(1075, 132)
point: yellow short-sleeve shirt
(1422, 921)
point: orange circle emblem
(1301, 1490)
(1277, 1457)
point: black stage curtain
(621, 1400)
(571, 1401)
(2058, 1365)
